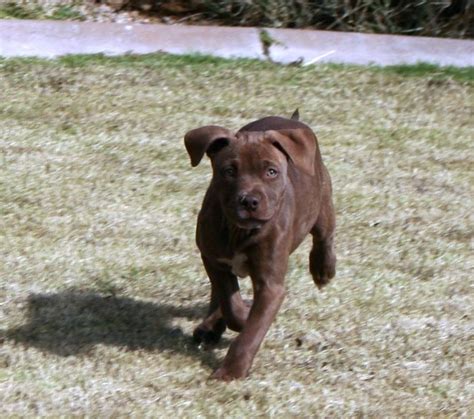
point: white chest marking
(238, 264)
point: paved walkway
(55, 38)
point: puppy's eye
(271, 172)
(229, 171)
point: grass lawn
(101, 283)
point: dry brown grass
(101, 283)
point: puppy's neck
(239, 238)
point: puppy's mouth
(249, 224)
(247, 221)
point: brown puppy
(269, 189)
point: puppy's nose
(249, 202)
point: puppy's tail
(296, 115)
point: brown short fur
(269, 189)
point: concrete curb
(49, 39)
(359, 48)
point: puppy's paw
(322, 267)
(229, 374)
(209, 336)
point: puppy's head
(250, 169)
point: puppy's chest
(238, 264)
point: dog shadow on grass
(74, 322)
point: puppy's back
(273, 123)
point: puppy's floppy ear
(209, 139)
(299, 145)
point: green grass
(39, 10)
(13, 10)
(66, 12)
(432, 71)
(101, 283)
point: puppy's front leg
(269, 293)
(226, 307)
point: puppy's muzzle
(248, 202)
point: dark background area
(431, 18)
(443, 18)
